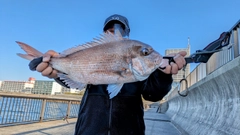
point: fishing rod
(65, 117)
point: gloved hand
(174, 67)
(44, 67)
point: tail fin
(31, 52)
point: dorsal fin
(104, 38)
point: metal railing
(216, 61)
(16, 109)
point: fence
(217, 60)
(24, 109)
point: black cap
(109, 22)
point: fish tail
(31, 52)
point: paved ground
(58, 127)
(156, 124)
(159, 124)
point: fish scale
(109, 59)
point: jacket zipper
(110, 117)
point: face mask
(118, 27)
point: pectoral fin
(113, 89)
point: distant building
(16, 86)
(0, 84)
(179, 76)
(68, 90)
(46, 88)
(32, 86)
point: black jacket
(123, 114)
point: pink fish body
(110, 59)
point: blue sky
(60, 24)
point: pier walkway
(156, 123)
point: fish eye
(145, 52)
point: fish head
(145, 59)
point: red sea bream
(108, 59)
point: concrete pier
(212, 106)
(156, 124)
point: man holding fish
(117, 74)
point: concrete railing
(213, 103)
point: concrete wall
(213, 104)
